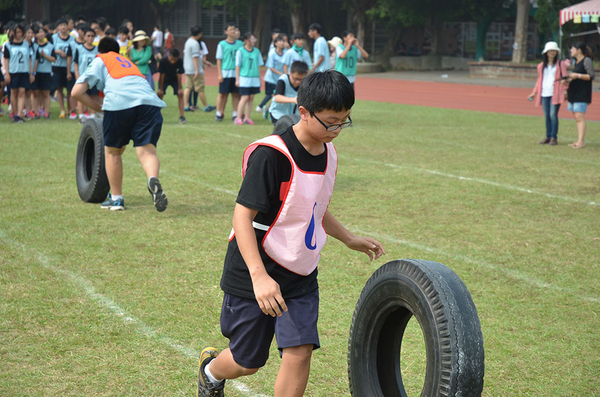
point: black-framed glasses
(334, 127)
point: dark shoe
(553, 142)
(219, 118)
(545, 141)
(205, 386)
(158, 195)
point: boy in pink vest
(280, 224)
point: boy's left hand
(367, 245)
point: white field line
(117, 310)
(477, 180)
(517, 275)
(514, 274)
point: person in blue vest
(247, 77)
(348, 54)
(280, 224)
(131, 112)
(19, 70)
(274, 71)
(44, 56)
(84, 55)
(286, 92)
(296, 53)
(61, 69)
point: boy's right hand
(268, 295)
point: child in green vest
(247, 77)
(347, 54)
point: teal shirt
(226, 53)
(119, 94)
(142, 57)
(347, 66)
(19, 57)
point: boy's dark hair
(174, 52)
(51, 27)
(230, 23)
(299, 67)
(278, 38)
(108, 44)
(36, 28)
(124, 29)
(92, 21)
(82, 26)
(87, 29)
(275, 30)
(248, 36)
(196, 30)
(328, 90)
(315, 26)
(45, 22)
(157, 27)
(102, 23)
(111, 32)
(81, 18)
(61, 21)
(298, 35)
(67, 17)
(347, 32)
(21, 26)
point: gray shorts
(250, 331)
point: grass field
(120, 303)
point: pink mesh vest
(296, 237)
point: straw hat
(551, 46)
(141, 35)
(335, 41)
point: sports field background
(105, 303)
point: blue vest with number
(278, 110)
(20, 55)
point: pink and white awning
(591, 7)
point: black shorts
(228, 86)
(59, 78)
(142, 124)
(250, 331)
(249, 91)
(173, 84)
(43, 82)
(270, 88)
(19, 80)
(93, 92)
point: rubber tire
(92, 182)
(286, 121)
(441, 304)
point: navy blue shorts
(173, 84)
(250, 331)
(59, 78)
(228, 86)
(93, 92)
(270, 88)
(142, 124)
(43, 82)
(249, 90)
(19, 80)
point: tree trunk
(359, 22)
(520, 46)
(296, 13)
(259, 24)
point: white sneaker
(259, 109)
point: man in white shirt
(157, 40)
(320, 48)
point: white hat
(141, 35)
(335, 41)
(551, 46)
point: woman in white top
(549, 90)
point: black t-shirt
(280, 88)
(267, 169)
(170, 70)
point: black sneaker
(206, 388)
(219, 118)
(158, 195)
(182, 120)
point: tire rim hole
(88, 159)
(413, 359)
